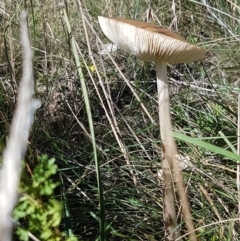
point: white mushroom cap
(150, 42)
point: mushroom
(150, 42)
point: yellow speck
(92, 68)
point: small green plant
(38, 212)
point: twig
(18, 138)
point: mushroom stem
(170, 162)
(169, 211)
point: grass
(203, 106)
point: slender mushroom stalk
(169, 161)
(150, 42)
(170, 217)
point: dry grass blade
(111, 116)
(18, 138)
(217, 18)
(238, 151)
(204, 191)
(125, 79)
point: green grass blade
(67, 218)
(228, 142)
(90, 121)
(207, 146)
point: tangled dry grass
(122, 95)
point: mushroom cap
(150, 42)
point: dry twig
(18, 138)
